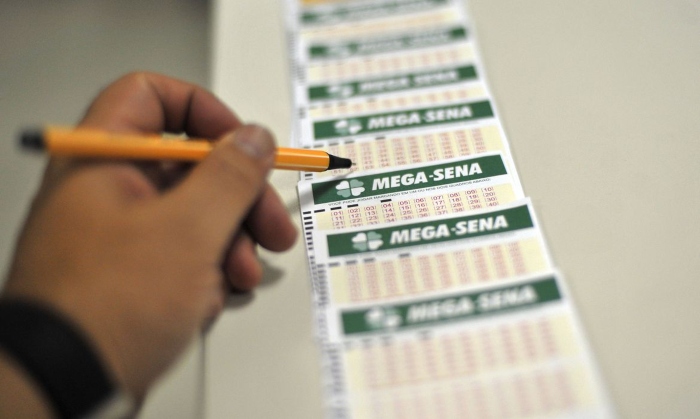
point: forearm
(20, 397)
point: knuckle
(238, 169)
(136, 77)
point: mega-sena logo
(353, 187)
(348, 126)
(368, 241)
(340, 91)
(383, 318)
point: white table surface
(599, 99)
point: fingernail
(255, 141)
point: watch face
(119, 405)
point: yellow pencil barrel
(86, 142)
(300, 159)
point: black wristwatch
(62, 361)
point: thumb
(220, 191)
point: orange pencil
(84, 142)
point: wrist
(19, 395)
(61, 361)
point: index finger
(153, 103)
(150, 103)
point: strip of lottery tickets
(435, 295)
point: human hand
(139, 264)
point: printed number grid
(518, 369)
(469, 352)
(442, 96)
(404, 209)
(366, 29)
(384, 65)
(413, 149)
(399, 277)
(560, 391)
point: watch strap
(59, 357)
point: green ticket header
(369, 124)
(453, 308)
(393, 84)
(365, 11)
(408, 179)
(418, 234)
(377, 46)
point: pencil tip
(336, 162)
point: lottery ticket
(389, 102)
(514, 350)
(396, 150)
(351, 91)
(427, 232)
(370, 23)
(440, 309)
(397, 121)
(395, 260)
(444, 16)
(389, 64)
(424, 271)
(335, 13)
(320, 52)
(423, 190)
